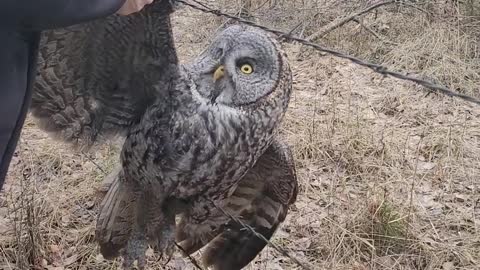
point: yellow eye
(246, 68)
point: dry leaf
(65, 220)
(50, 267)
(448, 266)
(56, 256)
(149, 253)
(68, 261)
(99, 258)
(423, 167)
(460, 198)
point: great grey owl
(198, 137)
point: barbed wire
(101, 169)
(233, 218)
(192, 260)
(289, 37)
(375, 67)
(261, 237)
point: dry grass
(388, 174)
(433, 38)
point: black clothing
(20, 24)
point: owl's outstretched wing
(261, 200)
(114, 222)
(96, 79)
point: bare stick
(375, 67)
(375, 34)
(336, 24)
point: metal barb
(375, 67)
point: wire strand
(260, 236)
(375, 67)
(192, 260)
(289, 37)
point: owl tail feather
(115, 220)
(236, 246)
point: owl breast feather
(192, 148)
(214, 149)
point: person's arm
(47, 14)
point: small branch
(375, 34)
(416, 7)
(336, 24)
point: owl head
(242, 66)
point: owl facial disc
(241, 66)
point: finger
(140, 4)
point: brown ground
(388, 175)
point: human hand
(132, 6)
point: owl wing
(261, 200)
(116, 216)
(97, 79)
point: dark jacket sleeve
(47, 14)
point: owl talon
(161, 235)
(166, 243)
(168, 250)
(168, 258)
(135, 251)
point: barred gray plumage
(197, 133)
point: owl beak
(219, 73)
